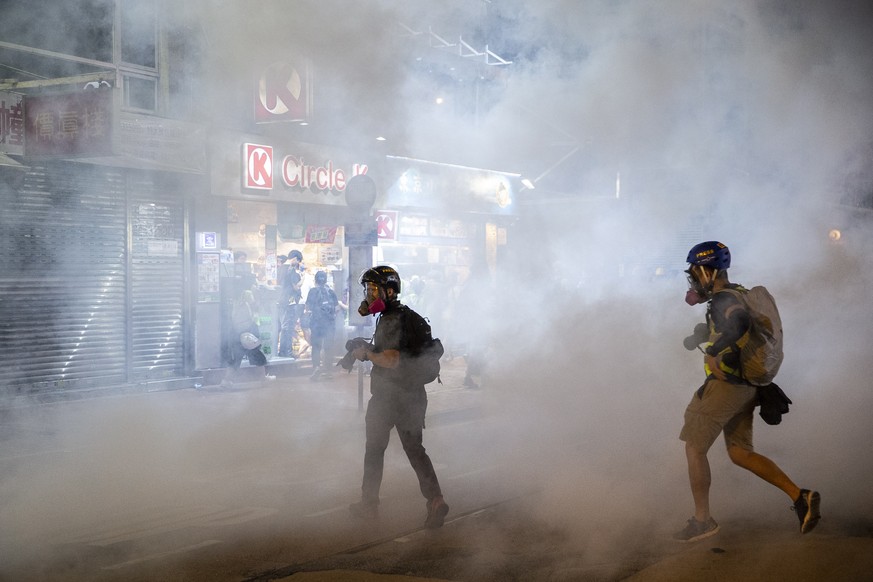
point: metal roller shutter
(157, 281)
(62, 281)
(79, 307)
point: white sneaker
(269, 377)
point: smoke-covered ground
(743, 122)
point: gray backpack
(761, 355)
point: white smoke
(730, 121)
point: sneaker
(364, 510)
(437, 509)
(269, 377)
(806, 508)
(696, 530)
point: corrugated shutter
(157, 279)
(62, 280)
(75, 310)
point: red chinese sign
(320, 234)
(73, 124)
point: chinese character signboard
(11, 124)
(69, 125)
(320, 234)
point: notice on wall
(207, 277)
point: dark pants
(404, 410)
(321, 340)
(290, 316)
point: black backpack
(423, 352)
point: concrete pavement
(507, 541)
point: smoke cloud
(650, 126)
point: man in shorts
(726, 402)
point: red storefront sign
(282, 93)
(69, 125)
(296, 173)
(320, 234)
(386, 224)
(258, 166)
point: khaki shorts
(723, 407)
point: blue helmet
(710, 254)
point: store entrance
(276, 252)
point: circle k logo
(258, 162)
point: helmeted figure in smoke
(726, 401)
(396, 400)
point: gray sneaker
(364, 510)
(696, 530)
(807, 509)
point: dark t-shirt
(388, 336)
(290, 284)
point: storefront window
(262, 235)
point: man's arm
(384, 359)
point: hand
(712, 362)
(360, 353)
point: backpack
(761, 355)
(422, 362)
(324, 308)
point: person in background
(725, 403)
(243, 340)
(321, 308)
(395, 402)
(289, 302)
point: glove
(700, 335)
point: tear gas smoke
(738, 122)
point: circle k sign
(259, 166)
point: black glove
(348, 360)
(700, 335)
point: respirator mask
(700, 281)
(373, 303)
(366, 308)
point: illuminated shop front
(446, 218)
(432, 221)
(268, 199)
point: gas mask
(366, 308)
(700, 282)
(373, 302)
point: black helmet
(383, 276)
(710, 254)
